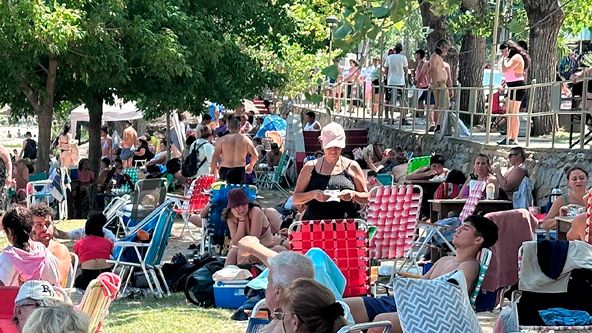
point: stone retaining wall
(546, 166)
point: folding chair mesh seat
(133, 173)
(484, 259)
(345, 241)
(394, 211)
(273, 178)
(96, 299)
(148, 194)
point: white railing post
(531, 93)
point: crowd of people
(332, 184)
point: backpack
(30, 149)
(178, 270)
(199, 286)
(190, 165)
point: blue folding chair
(131, 254)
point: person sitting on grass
(43, 231)
(245, 219)
(25, 259)
(476, 233)
(436, 169)
(93, 250)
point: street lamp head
(332, 21)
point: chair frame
(73, 270)
(104, 300)
(272, 178)
(188, 205)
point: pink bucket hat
(332, 135)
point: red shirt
(93, 247)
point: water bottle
(556, 192)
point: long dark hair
(516, 49)
(227, 211)
(94, 225)
(66, 129)
(18, 221)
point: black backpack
(178, 270)
(199, 287)
(30, 149)
(190, 165)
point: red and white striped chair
(197, 198)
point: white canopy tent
(119, 111)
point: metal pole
(330, 46)
(380, 81)
(493, 54)
(168, 121)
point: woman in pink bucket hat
(331, 187)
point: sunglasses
(279, 315)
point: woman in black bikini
(245, 218)
(332, 172)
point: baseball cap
(40, 291)
(237, 197)
(332, 135)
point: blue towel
(565, 317)
(551, 255)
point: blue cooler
(230, 294)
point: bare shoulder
(469, 267)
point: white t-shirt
(10, 277)
(311, 127)
(205, 151)
(396, 64)
(79, 233)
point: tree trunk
(545, 18)
(95, 112)
(436, 23)
(471, 57)
(44, 117)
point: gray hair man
(284, 268)
(35, 294)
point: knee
(391, 317)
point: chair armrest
(177, 196)
(131, 244)
(433, 225)
(409, 275)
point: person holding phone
(320, 178)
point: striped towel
(474, 196)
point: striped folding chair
(394, 211)
(484, 259)
(345, 241)
(196, 199)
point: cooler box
(230, 294)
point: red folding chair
(197, 198)
(345, 241)
(7, 297)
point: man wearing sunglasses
(477, 232)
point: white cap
(40, 291)
(332, 135)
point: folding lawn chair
(7, 297)
(394, 211)
(434, 232)
(273, 178)
(196, 199)
(386, 326)
(133, 173)
(96, 300)
(148, 194)
(527, 304)
(484, 260)
(115, 211)
(49, 190)
(345, 241)
(73, 270)
(214, 229)
(385, 179)
(130, 254)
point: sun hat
(39, 290)
(332, 135)
(236, 198)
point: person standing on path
(513, 66)
(29, 149)
(231, 151)
(396, 67)
(130, 136)
(438, 77)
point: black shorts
(224, 172)
(516, 94)
(424, 96)
(379, 305)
